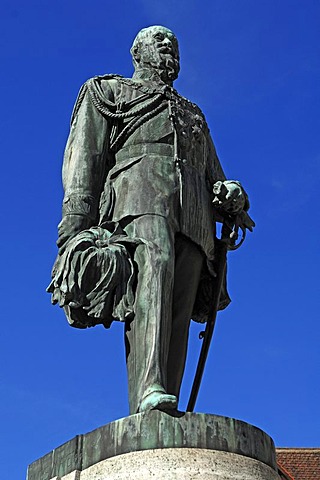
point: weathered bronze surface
(143, 185)
(151, 430)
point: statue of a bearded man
(137, 236)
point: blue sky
(253, 67)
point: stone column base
(176, 464)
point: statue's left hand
(232, 205)
(230, 197)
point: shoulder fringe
(94, 82)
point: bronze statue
(143, 189)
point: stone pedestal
(157, 445)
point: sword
(229, 236)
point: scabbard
(221, 252)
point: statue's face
(157, 48)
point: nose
(166, 42)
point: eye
(159, 36)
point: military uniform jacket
(137, 149)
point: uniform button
(184, 133)
(184, 161)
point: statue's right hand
(69, 226)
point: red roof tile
(300, 463)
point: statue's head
(156, 49)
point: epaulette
(84, 88)
(106, 76)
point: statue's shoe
(158, 401)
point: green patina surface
(153, 430)
(137, 243)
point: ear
(136, 54)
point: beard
(165, 64)
(170, 66)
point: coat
(165, 165)
(137, 149)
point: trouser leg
(188, 265)
(148, 335)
